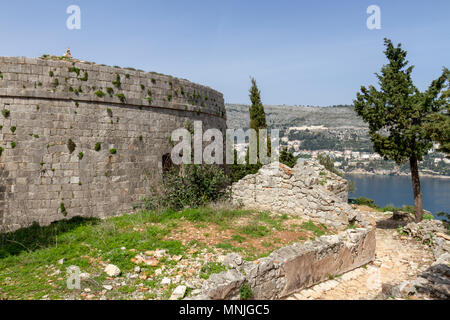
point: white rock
(112, 270)
(61, 261)
(178, 293)
(166, 281)
(108, 287)
(137, 269)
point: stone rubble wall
(308, 190)
(293, 268)
(40, 178)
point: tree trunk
(418, 207)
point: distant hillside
(283, 117)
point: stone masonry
(307, 190)
(119, 120)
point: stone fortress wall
(80, 139)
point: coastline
(396, 174)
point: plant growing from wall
(109, 111)
(85, 77)
(127, 76)
(51, 74)
(98, 146)
(75, 70)
(153, 80)
(63, 210)
(100, 93)
(5, 113)
(13, 144)
(81, 155)
(142, 87)
(13, 129)
(1, 75)
(112, 151)
(71, 145)
(169, 97)
(110, 91)
(246, 292)
(117, 82)
(121, 97)
(56, 83)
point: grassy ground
(183, 246)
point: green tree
(288, 158)
(397, 113)
(438, 123)
(257, 122)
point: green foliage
(142, 87)
(5, 113)
(288, 158)
(110, 91)
(310, 226)
(366, 202)
(100, 93)
(121, 97)
(398, 114)
(81, 155)
(199, 185)
(444, 215)
(210, 268)
(98, 146)
(246, 292)
(438, 123)
(169, 97)
(398, 108)
(117, 82)
(328, 163)
(1, 75)
(63, 210)
(112, 151)
(1, 151)
(13, 129)
(75, 70)
(13, 144)
(257, 121)
(71, 145)
(85, 77)
(51, 74)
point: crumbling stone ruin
(310, 191)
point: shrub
(121, 97)
(71, 145)
(112, 151)
(85, 77)
(110, 91)
(13, 129)
(1, 150)
(100, 93)
(81, 155)
(366, 202)
(5, 113)
(98, 146)
(51, 74)
(288, 158)
(199, 185)
(246, 292)
(117, 82)
(13, 145)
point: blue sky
(300, 52)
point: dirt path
(398, 258)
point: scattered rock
(112, 270)
(61, 261)
(108, 287)
(178, 293)
(166, 281)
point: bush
(199, 185)
(288, 158)
(366, 202)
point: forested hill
(283, 117)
